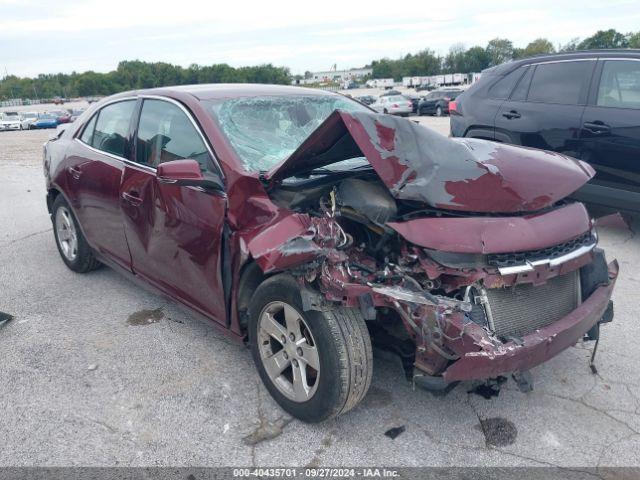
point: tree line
(130, 75)
(499, 50)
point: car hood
(416, 163)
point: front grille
(502, 260)
(524, 308)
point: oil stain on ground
(498, 432)
(145, 317)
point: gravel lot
(86, 382)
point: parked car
(27, 119)
(75, 113)
(58, 101)
(390, 93)
(305, 224)
(62, 116)
(366, 99)
(45, 120)
(582, 104)
(437, 102)
(10, 121)
(394, 105)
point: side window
(619, 84)
(87, 134)
(502, 88)
(520, 93)
(112, 128)
(562, 82)
(165, 133)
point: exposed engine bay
(464, 266)
(421, 301)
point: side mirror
(186, 173)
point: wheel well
(52, 194)
(250, 278)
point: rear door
(545, 108)
(610, 132)
(94, 168)
(174, 233)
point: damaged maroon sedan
(311, 227)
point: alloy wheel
(288, 351)
(66, 234)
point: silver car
(393, 104)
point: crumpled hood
(418, 164)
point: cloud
(70, 35)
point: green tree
(604, 39)
(499, 50)
(634, 40)
(476, 60)
(570, 46)
(540, 46)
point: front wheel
(315, 364)
(438, 111)
(73, 247)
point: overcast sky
(63, 36)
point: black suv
(584, 104)
(437, 102)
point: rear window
(503, 87)
(561, 82)
(112, 128)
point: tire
(341, 342)
(385, 111)
(438, 111)
(72, 246)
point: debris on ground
(4, 318)
(489, 388)
(266, 430)
(392, 433)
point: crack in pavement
(11, 242)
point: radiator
(522, 309)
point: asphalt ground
(96, 371)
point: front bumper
(10, 126)
(493, 359)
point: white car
(10, 121)
(393, 104)
(27, 118)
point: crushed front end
(458, 264)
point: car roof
(213, 91)
(574, 55)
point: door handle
(75, 172)
(596, 127)
(132, 198)
(511, 114)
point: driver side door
(174, 232)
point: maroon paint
(417, 164)
(179, 170)
(92, 186)
(174, 233)
(174, 237)
(496, 234)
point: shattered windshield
(264, 131)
